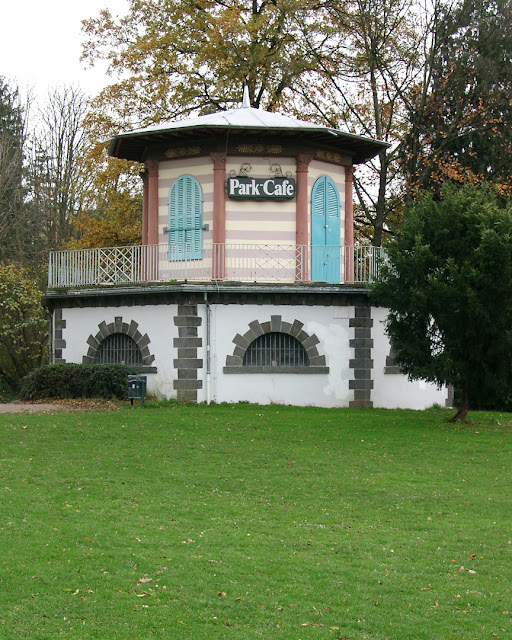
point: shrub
(6, 391)
(23, 325)
(76, 381)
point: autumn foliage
(465, 127)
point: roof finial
(246, 101)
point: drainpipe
(208, 360)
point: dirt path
(61, 405)
(20, 407)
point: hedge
(76, 381)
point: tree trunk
(462, 410)
(380, 207)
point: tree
(448, 286)
(114, 216)
(23, 325)
(81, 198)
(172, 59)
(464, 131)
(375, 55)
(18, 236)
(181, 56)
(57, 178)
(112, 206)
(348, 64)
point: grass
(238, 522)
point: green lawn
(239, 522)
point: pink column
(144, 176)
(152, 167)
(302, 217)
(219, 215)
(349, 226)
(152, 220)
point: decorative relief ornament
(329, 156)
(260, 148)
(179, 152)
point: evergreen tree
(448, 287)
(14, 239)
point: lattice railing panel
(236, 262)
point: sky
(40, 44)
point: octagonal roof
(247, 120)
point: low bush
(6, 391)
(76, 381)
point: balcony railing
(263, 263)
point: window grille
(118, 348)
(276, 350)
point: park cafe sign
(245, 188)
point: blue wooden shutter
(325, 231)
(185, 219)
(318, 213)
(332, 200)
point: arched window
(275, 347)
(119, 342)
(118, 348)
(276, 350)
(185, 219)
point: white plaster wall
(155, 320)
(393, 391)
(331, 326)
(329, 323)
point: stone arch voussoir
(275, 324)
(118, 326)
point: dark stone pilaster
(362, 363)
(58, 342)
(187, 363)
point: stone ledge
(144, 369)
(393, 370)
(262, 369)
(139, 368)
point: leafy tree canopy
(448, 287)
(466, 128)
(185, 55)
(349, 64)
